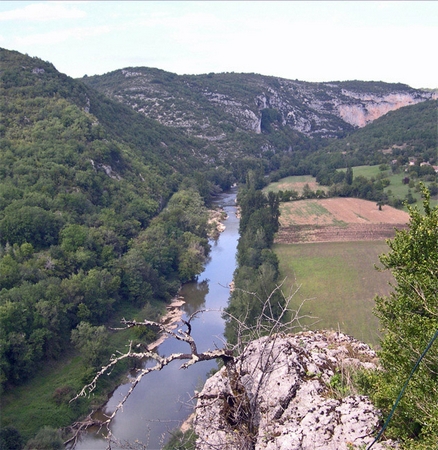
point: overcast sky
(311, 41)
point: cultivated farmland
(338, 219)
(329, 249)
(296, 183)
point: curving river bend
(162, 401)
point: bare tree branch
(238, 407)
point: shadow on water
(163, 400)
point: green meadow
(396, 189)
(337, 281)
(366, 171)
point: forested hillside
(95, 211)
(233, 140)
(279, 126)
(407, 132)
(247, 113)
(216, 105)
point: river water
(162, 401)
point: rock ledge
(295, 388)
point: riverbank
(170, 319)
(44, 400)
(216, 219)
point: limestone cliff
(215, 106)
(371, 107)
(295, 386)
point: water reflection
(197, 291)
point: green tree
(91, 341)
(10, 439)
(307, 192)
(46, 439)
(192, 257)
(30, 224)
(9, 272)
(349, 176)
(409, 317)
(250, 201)
(73, 236)
(139, 277)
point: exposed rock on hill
(214, 106)
(370, 107)
(296, 389)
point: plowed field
(338, 219)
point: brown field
(338, 219)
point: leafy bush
(46, 439)
(10, 439)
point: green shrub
(10, 439)
(46, 439)
(409, 317)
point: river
(163, 400)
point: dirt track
(338, 219)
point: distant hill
(215, 106)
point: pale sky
(305, 40)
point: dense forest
(103, 209)
(84, 205)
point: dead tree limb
(238, 407)
(160, 362)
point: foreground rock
(296, 387)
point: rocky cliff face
(214, 106)
(371, 107)
(296, 388)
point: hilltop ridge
(212, 106)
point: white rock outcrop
(293, 384)
(371, 107)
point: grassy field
(396, 189)
(295, 183)
(338, 283)
(365, 171)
